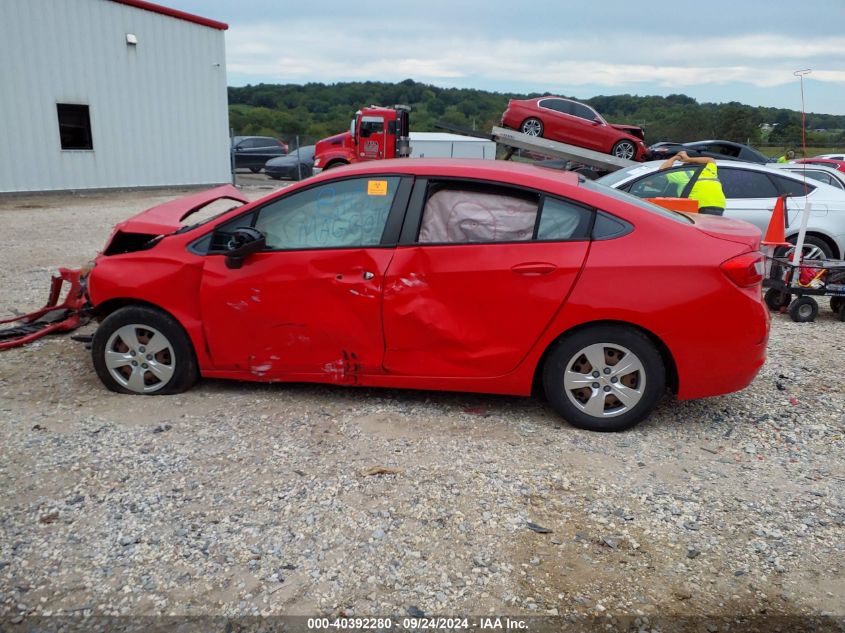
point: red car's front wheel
(624, 149)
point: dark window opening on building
(74, 126)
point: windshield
(596, 185)
(618, 176)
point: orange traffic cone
(775, 233)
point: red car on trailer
(575, 123)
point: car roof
(713, 140)
(461, 168)
(801, 166)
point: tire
(337, 163)
(255, 170)
(814, 248)
(532, 127)
(803, 310)
(125, 335)
(775, 299)
(591, 402)
(836, 303)
(624, 149)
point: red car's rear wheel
(532, 127)
(604, 378)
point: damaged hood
(168, 217)
(633, 130)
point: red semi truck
(378, 132)
(375, 133)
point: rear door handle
(534, 268)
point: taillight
(745, 270)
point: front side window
(668, 183)
(371, 125)
(339, 214)
(584, 112)
(74, 126)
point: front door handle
(534, 268)
(368, 275)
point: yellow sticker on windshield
(377, 188)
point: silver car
(828, 176)
(751, 191)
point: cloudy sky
(720, 50)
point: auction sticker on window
(376, 187)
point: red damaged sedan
(574, 123)
(460, 275)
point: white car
(751, 191)
(820, 173)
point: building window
(74, 126)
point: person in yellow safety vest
(707, 189)
(787, 157)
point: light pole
(799, 243)
(800, 74)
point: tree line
(316, 110)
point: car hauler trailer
(379, 132)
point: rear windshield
(637, 202)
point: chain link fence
(264, 159)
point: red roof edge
(174, 13)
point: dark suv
(253, 151)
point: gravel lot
(248, 499)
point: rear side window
(463, 213)
(794, 187)
(744, 183)
(563, 220)
(607, 227)
(558, 105)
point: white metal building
(108, 94)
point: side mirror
(244, 242)
(597, 121)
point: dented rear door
(477, 309)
